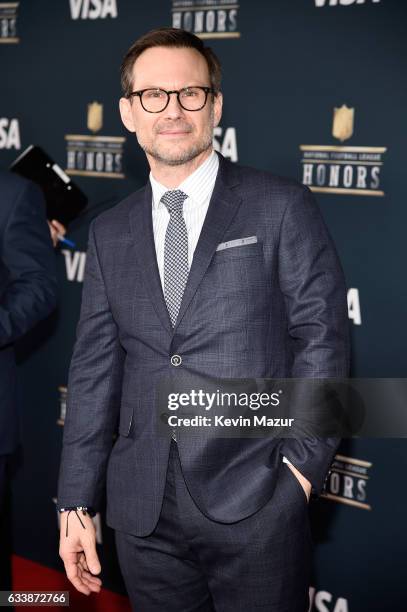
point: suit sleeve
(313, 284)
(94, 391)
(28, 284)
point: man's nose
(174, 109)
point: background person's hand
(78, 552)
(55, 227)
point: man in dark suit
(213, 269)
(28, 291)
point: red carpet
(30, 576)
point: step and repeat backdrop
(313, 89)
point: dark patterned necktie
(175, 252)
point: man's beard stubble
(177, 158)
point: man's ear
(126, 114)
(218, 104)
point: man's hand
(57, 229)
(306, 485)
(78, 552)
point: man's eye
(154, 93)
(189, 93)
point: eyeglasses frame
(140, 92)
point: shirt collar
(197, 185)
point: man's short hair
(168, 37)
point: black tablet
(64, 199)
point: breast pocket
(240, 268)
(228, 293)
(252, 250)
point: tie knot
(174, 200)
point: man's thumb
(92, 560)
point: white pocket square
(236, 242)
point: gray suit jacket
(272, 308)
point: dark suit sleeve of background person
(28, 286)
(94, 391)
(313, 284)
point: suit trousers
(190, 563)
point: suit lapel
(222, 208)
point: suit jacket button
(176, 360)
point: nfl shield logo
(95, 116)
(342, 127)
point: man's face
(173, 136)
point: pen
(66, 241)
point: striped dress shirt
(198, 186)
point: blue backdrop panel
(287, 67)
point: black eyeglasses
(157, 99)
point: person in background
(28, 290)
